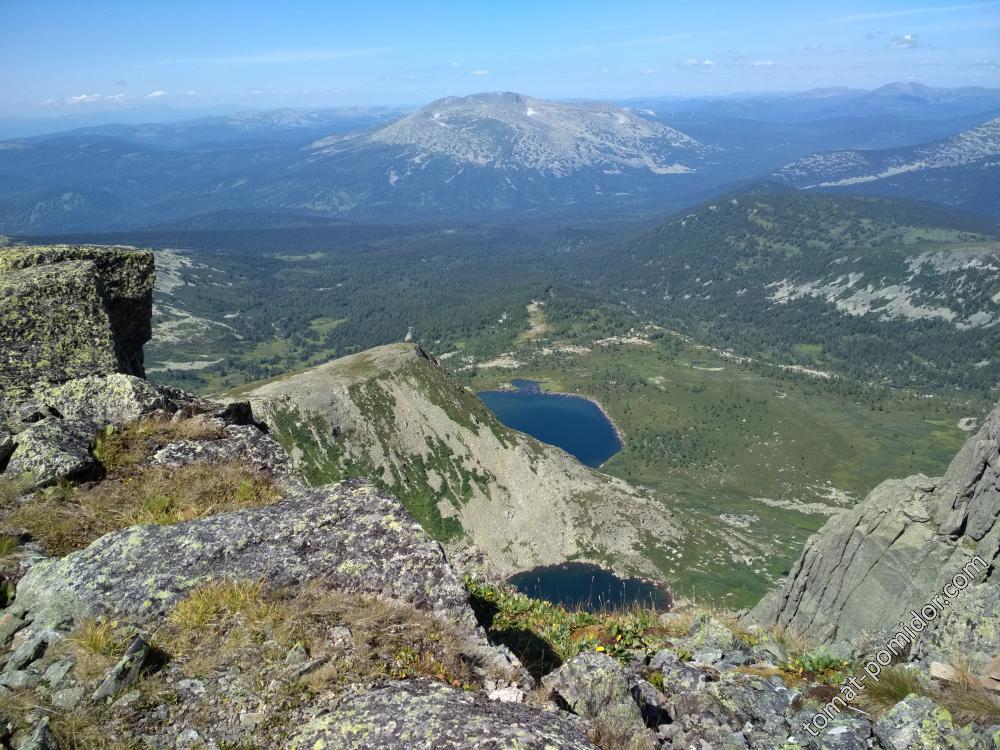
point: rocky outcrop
(391, 414)
(68, 311)
(596, 687)
(426, 715)
(349, 537)
(50, 430)
(868, 567)
(917, 723)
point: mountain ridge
(392, 415)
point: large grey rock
(53, 449)
(596, 687)
(840, 733)
(242, 443)
(348, 536)
(41, 738)
(105, 399)
(71, 311)
(917, 723)
(427, 715)
(898, 548)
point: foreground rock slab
(427, 715)
(348, 537)
(68, 311)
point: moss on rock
(70, 311)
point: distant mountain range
(499, 152)
(963, 170)
(907, 99)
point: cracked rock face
(53, 449)
(70, 311)
(898, 548)
(427, 715)
(349, 537)
(597, 687)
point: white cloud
(156, 94)
(763, 63)
(480, 72)
(92, 98)
(649, 71)
(906, 41)
(694, 61)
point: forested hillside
(880, 289)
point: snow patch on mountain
(839, 168)
(514, 132)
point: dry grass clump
(12, 488)
(81, 729)
(789, 640)
(894, 684)
(65, 518)
(118, 447)
(965, 699)
(236, 622)
(8, 544)
(608, 735)
(95, 645)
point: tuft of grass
(119, 447)
(96, 644)
(82, 730)
(609, 735)
(789, 640)
(224, 621)
(12, 488)
(206, 605)
(894, 684)
(967, 704)
(67, 518)
(8, 544)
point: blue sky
(59, 57)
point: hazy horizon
(62, 59)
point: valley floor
(750, 458)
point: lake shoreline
(619, 432)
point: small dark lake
(588, 586)
(576, 425)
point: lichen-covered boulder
(752, 699)
(53, 326)
(349, 537)
(918, 723)
(105, 399)
(248, 445)
(70, 311)
(53, 449)
(840, 733)
(597, 687)
(427, 715)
